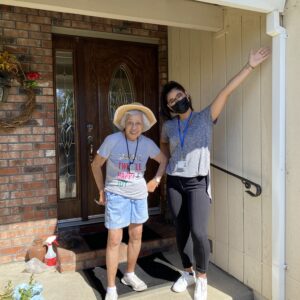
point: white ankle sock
(202, 279)
(111, 289)
(129, 274)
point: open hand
(257, 57)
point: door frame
(63, 223)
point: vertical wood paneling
(184, 48)
(174, 53)
(267, 281)
(251, 101)
(252, 155)
(206, 98)
(220, 156)
(221, 220)
(252, 272)
(195, 68)
(219, 81)
(292, 23)
(206, 68)
(234, 146)
(292, 287)
(171, 66)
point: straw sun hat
(121, 110)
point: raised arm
(96, 165)
(255, 58)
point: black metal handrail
(247, 183)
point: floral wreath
(11, 69)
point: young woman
(185, 139)
(125, 193)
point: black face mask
(181, 106)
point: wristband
(248, 64)
(157, 180)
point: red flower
(30, 80)
(32, 75)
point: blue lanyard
(131, 162)
(182, 136)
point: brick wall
(28, 195)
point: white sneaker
(133, 281)
(200, 289)
(111, 296)
(183, 282)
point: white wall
(240, 225)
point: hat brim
(121, 110)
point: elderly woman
(125, 192)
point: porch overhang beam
(177, 13)
(264, 6)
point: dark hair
(169, 86)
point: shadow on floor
(150, 269)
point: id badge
(131, 168)
(181, 165)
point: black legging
(190, 204)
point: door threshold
(76, 222)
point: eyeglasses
(172, 101)
(133, 124)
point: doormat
(153, 270)
(98, 240)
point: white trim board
(264, 6)
(176, 13)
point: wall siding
(292, 24)
(240, 225)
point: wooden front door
(107, 73)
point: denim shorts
(121, 211)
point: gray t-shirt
(119, 180)
(193, 159)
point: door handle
(90, 141)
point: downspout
(278, 34)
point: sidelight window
(65, 116)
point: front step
(74, 253)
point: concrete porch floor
(75, 286)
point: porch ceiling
(265, 6)
(177, 13)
